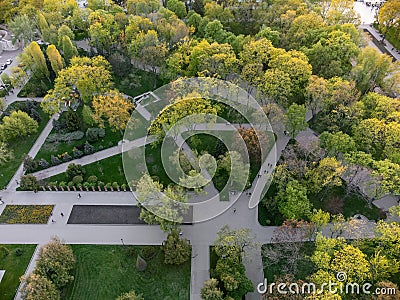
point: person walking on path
(79, 196)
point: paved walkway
(237, 215)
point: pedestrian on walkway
(234, 210)
(79, 196)
(62, 215)
(52, 221)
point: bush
(176, 250)
(52, 184)
(30, 164)
(44, 163)
(59, 125)
(28, 182)
(86, 184)
(34, 114)
(130, 296)
(18, 252)
(77, 153)
(115, 185)
(100, 184)
(70, 184)
(67, 157)
(123, 186)
(101, 147)
(74, 170)
(65, 137)
(72, 120)
(55, 160)
(77, 179)
(62, 184)
(92, 179)
(94, 134)
(108, 185)
(88, 149)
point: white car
(9, 61)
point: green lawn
(106, 170)
(26, 214)
(336, 201)
(105, 272)
(304, 269)
(15, 267)
(145, 81)
(20, 147)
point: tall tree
(68, 49)
(389, 18)
(293, 202)
(55, 59)
(374, 69)
(33, 59)
(295, 119)
(36, 287)
(114, 108)
(23, 29)
(5, 153)
(18, 124)
(55, 261)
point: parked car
(3, 67)
(9, 61)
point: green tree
(293, 202)
(295, 119)
(327, 174)
(149, 192)
(28, 182)
(56, 61)
(74, 170)
(55, 261)
(316, 92)
(18, 124)
(388, 17)
(62, 32)
(331, 56)
(373, 69)
(382, 268)
(176, 250)
(336, 143)
(67, 48)
(130, 296)
(36, 287)
(211, 291)
(87, 116)
(72, 120)
(23, 29)
(33, 60)
(178, 7)
(353, 262)
(231, 242)
(114, 108)
(142, 7)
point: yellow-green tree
(33, 60)
(389, 18)
(55, 59)
(114, 108)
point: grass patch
(336, 201)
(106, 170)
(26, 214)
(20, 147)
(140, 83)
(304, 268)
(36, 88)
(14, 266)
(105, 272)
